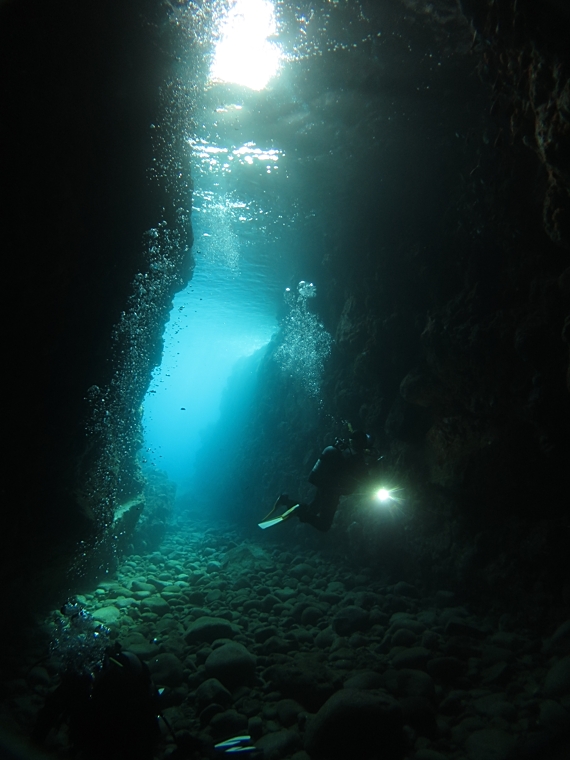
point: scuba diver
(105, 698)
(337, 472)
(112, 713)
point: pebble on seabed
(296, 650)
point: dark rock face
(85, 235)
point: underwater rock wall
(526, 59)
(466, 373)
(95, 243)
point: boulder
(279, 744)
(458, 627)
(156, 604)
(209, 629)
(403, 638)
(287, 711)
(107, 615)
(553, 716)
(408, 683)
(39, 676)
(212, 691)
(265, 632)
(557, 682)
(311, 616)
(305, 679)
(355, 723)
(367, 679)
(231, 664)
(406, 589)
(227, 724)
(326, 638)
(447, 670)
(247, 557)
(141, 586)
(136, 643)
(209, 712)
(276, 645)
(490, 744)
(412, 657)
(298, 571)
(166, 670)
(349, 620)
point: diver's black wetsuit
(111, 715)
(337, 472)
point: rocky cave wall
(475, 410)
(95, 241)
(451, 344)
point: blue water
(208, 331)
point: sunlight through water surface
(244, 54)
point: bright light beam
(388, 496)
(244, 55)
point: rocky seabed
(317, 660)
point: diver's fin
(237, 741)
(268, 515)
(285, 516)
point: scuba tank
(327, 468)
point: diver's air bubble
(307, 289)
(305, 344)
